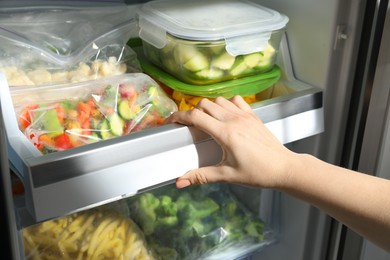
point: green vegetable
(239, 67)
(125, 110)
(195, 210)
(197, 63)
(224, 62)
(255, 229)
(211, 73)
(50, 122)
(116, 124)
(251, 60)
(153, 95)
(196, 220)
(184, 53)
(105, 131)
(144, 212)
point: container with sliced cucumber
(68, 116)
(203, 46)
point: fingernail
(182, 183)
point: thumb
(202, 175)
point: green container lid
(245, 86)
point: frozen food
(200, 222)
(60, 42)
(205, 42)
(97, 234)
(82, 72)
(62, 117)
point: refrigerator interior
(316, 54)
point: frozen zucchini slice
(197, 63)
(253, 59)
(238, 68)
(218, 49)
(224, 62)
(126, 111)
(183, 53)
(105, 132)
(116, 124)
(209, 73)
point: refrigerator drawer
(60, 183)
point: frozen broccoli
(255, 229)
(167, 206)
(144, 212)
(195, 210)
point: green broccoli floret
(163, 222)
(167, 207)
(145, 212)
(230, 208)
(255, 229)
(183, 201)
(195, 210)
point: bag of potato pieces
(64, 42)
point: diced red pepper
(62, 142)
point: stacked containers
(204, 43)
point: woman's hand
(251, 153)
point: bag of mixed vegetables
(199, 222)
(61, 117)
(65, 42)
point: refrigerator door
(372, 143)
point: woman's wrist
(294, 167)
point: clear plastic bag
(100, 233)
(61, 117)
(55, 42)
(199, 222)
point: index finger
(198, 118)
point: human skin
(253, 156)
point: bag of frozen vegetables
(60, 42)
(199, 222)
(64, 116)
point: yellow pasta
(95, 234)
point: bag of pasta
(101, 233)
(65, 42)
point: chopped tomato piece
(62, 142)
(25, 115)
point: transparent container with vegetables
(205, 42)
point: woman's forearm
(359, 201)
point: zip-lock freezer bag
(60, 42)
(100, 233)
(199, 222)
(64, 116)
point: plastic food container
(204, 42)
(252, 88)
(60, 117)
(37, 46)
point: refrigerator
(332, 102)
